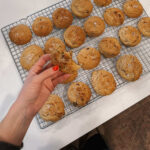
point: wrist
(26, 106)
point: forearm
(15, 124)
(36, 90)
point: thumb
(52, 73)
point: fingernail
(55, 68)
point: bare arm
(15, 124)
(37, 88)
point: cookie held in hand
(64, 61)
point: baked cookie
(30, 56)
(20, 34)
(144, 26)
(62, 18)
(64, 61)
(54, 44)
(103, 82)
(74, 36)
(79, 94)
(114, 16)
(133, 8)
(53, 109)
(102, 2)
(129, 67)
(129, 36)
(42, 26)
(88, 58)
(71, 78)
(109, 47)
(81, 8)
(94, 26)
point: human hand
(39, 84)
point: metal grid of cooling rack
(142, 51)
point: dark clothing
(8, 146)
(96, 142)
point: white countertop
(72, 126)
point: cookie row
(55, 47)
(74, 36)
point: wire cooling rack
(142, 51)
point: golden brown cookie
(74, 36)
(133, 8)
(71, 78)
(109, 47)
(81, 8)
(114, 16)
(64, 61)
(54, 44)
(79, 94)
(129, 67)
(88, 58)
(129, 36)
(103, 82)
(144, 26)
(53, 109)
(42, 26)
(20, 34)
(102, 2)
(94, 26)
(62, 18)
(30, 56)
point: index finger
(38, 67)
